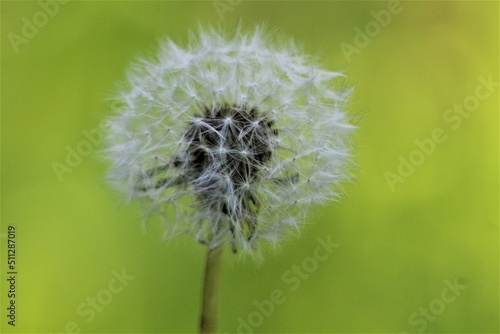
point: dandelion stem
(208, 323)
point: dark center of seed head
(227, 148)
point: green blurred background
(401, 246)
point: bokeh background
(401, 243)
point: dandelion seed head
(238, 135)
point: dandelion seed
(239, 135)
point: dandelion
(230, 139)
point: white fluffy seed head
(237, 135)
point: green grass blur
(401, 246)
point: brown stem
(208, 323)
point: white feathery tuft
(239, 135)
